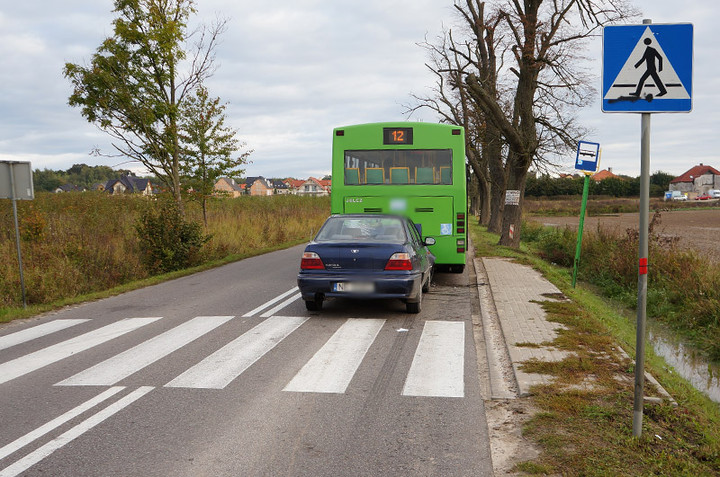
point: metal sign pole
(17, 233)
(583, 206)
(642, 271)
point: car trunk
(357, 256)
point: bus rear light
(311, 261)
(461, 246)
(461, 216)
(461, 230)
(399, 261)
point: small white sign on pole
(19, 173)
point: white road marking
(57, 422)
(41, 358)
(55, 444)
(437, 369)
(36, 332)
(280, 306)
(134, 359)
(271, 302)
(334, 365)
(222, 367)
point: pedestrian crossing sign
(647, 68)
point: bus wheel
(457, 268)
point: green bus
(406, 168)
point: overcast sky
(291, 70)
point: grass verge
(584, 423)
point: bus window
(375, 175)
(352, 176)
(399, 175)
(424, 175)
(400, 167)
(445, 175)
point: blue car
(366, 256)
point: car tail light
(399, 261)
(311, 261)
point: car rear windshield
(362, 229)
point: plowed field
(698, 230)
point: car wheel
(414, 307)
(426, 285)
(314, 305)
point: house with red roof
(311, 186)
(697, 180)
(604, 174)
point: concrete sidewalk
(512, 292)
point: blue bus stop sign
(647, 68)
(588, 155)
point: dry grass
(79, 243)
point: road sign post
(16, 183)
(646, 69)
(587, 160)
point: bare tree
(522, 78)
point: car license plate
(354, 287)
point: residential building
(69, 188)
(129, 184)
(258, 186)
(604, 174)
(698, 180)
(280, 186)
(312, 187)
(227, 185)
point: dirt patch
(697, 230)
(506, 419)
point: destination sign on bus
(397, 136)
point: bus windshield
(398, 167)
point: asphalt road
(224, 373)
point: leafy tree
(207, 146)
(46, 180)
(139, 78)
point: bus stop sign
(588, 156)
(647, 68)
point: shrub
(167, 240)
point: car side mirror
(429, 241)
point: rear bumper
(405, 286)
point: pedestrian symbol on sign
(649, 58)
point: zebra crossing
(437, 369)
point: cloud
(292, 72)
